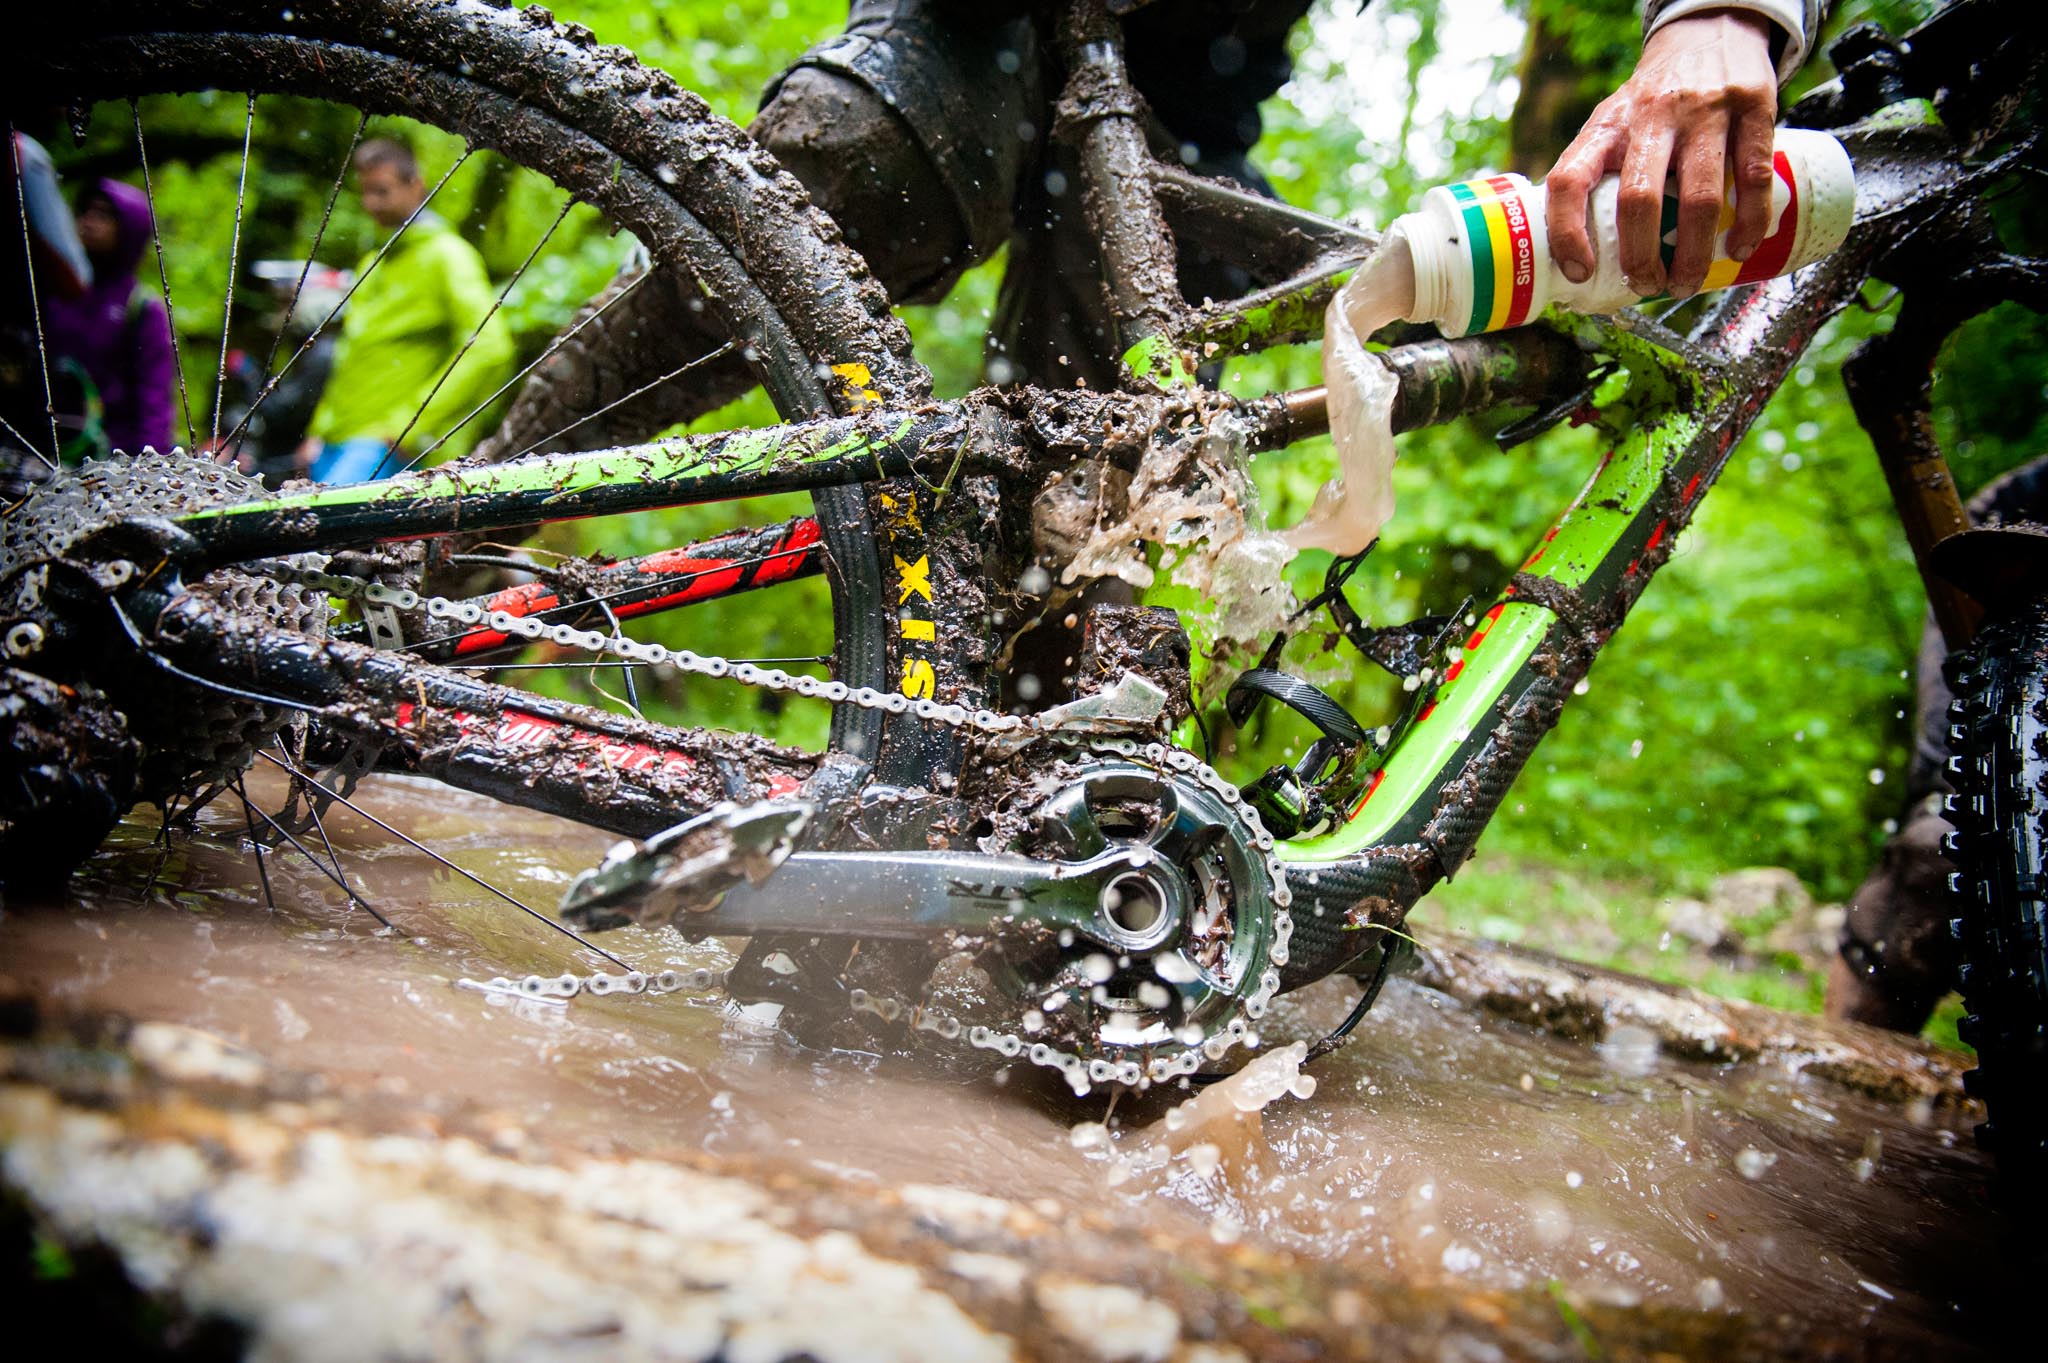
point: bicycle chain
(1081, 1073)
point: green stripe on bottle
(1479, 242)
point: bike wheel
(652, 158)
(1999, 742)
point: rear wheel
(1999, 742)
(707, 204)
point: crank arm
(1126, 900)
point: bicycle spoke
(651, 384)
(496, 304)
(312, 251)
(298, 287)
(28, 253)
(319, 825)
(270, 385)
(307, 853)
(163, 275)
(554, 348)
(262, 867)
(418, 846)
(227, 311)
(8, 426)
(625, 673)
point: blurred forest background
(1755, 711)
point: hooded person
(111, 345)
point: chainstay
(1082, 1073)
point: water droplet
(1459, 1258)
(1630, 1051)
(1753, 1163)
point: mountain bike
(1124, 912)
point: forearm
(1795, 22)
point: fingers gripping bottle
(1476, 257)
(1482, 250)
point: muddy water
(1441, 1146)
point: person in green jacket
(392, 391)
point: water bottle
(1482, 251)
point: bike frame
(1689, 399)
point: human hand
(1703, 96)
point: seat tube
(1099, 116)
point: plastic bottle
(1476, 257)
(1482, 250)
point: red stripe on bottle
(1521, 250)
(1768, 261)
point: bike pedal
(686, 869)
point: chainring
(1191, 931)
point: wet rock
(1109, 1322)
(189, 1055)
(1701, 924)
(1758, 890)
(1588, 1003)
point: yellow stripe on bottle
(1503, 255)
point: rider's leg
(911, 129)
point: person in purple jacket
(113, 341)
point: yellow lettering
(913, 577)
(902, 511)
(918, 679)
(918, 629)
(857, 383)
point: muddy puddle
(1444, 1146)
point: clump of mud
(1193, 497)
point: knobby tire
(1999, 766)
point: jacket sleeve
(1797, 20)
(156, 375)
(470, 304)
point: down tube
(1425, 808)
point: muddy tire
(1999, 767)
